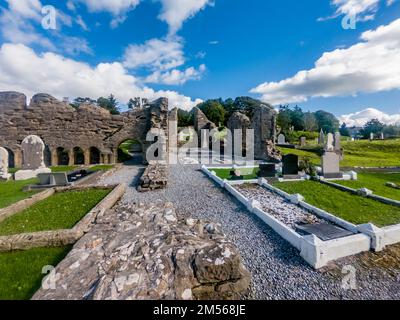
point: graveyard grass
(353, 208)
(252, 173)
(361, 153)
(377, 183)
(11, 192)
(61, 211)
(21, 271)
(56, 169)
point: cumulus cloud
(360, 118)
(372, 65)
(176, 12)
(177, 77)
(116, 7)
(162, 57)
(21, 20)
(160, 54)
(23, 70)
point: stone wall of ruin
(61, 127)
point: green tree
(310, 122)
(185, 118)
(374, 126)
(297, 118)
(131, 104)
(327, 121)
(284, 119)
(214, 111)
(344, 131)
(109, 104)
(79, 101)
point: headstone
(382, 136)
(53, 179)
(303, 141)
(371, 136)
(331, 165)
(4, 175)
(33, 158)
(338, 146)
(281, 139)
(330, 143)
(321, 138)
(267, 170)
(290, 164)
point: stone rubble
(146, 252)
(154, 177)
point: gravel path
(278, 272)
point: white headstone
(281, 139)
(4, 175)
(303, 141)
(331, 165)
(329, 143)
(33, 158)
(371, 136)
(321, 137)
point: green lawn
(377, 183)
(248, 173)
(63, 168)
(21, 271)
(11, 192)
(355, 209)
(103, 167)
(362, 153)
(61, 211)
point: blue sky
(198, 49)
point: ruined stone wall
(91, 129)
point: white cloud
(359, 119)
(157, 54)
(21, 69)
(116, 7)
(20, 22)
(176, 12)
(372, 65)
(176, 77)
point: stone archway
(95, 155)
(130, 149)
(79, 156)
(62, 157)
(11, 158)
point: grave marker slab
(324, 231)
(4, 175)
(290, 164)
(267, 170)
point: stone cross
(329, 143)
(4, 175)
(33, 153)
(281, 139)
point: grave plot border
(381, 236)
(314, 251)
(56, 238)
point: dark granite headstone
(267, 170)
(324, 231)
(290, 164)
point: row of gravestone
(320, 140)
(32, 148)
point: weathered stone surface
(64, 128)
(147, 252)
(4, 175)
(264, 125)
(154, 177)
(201, 122)
(33, 153)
